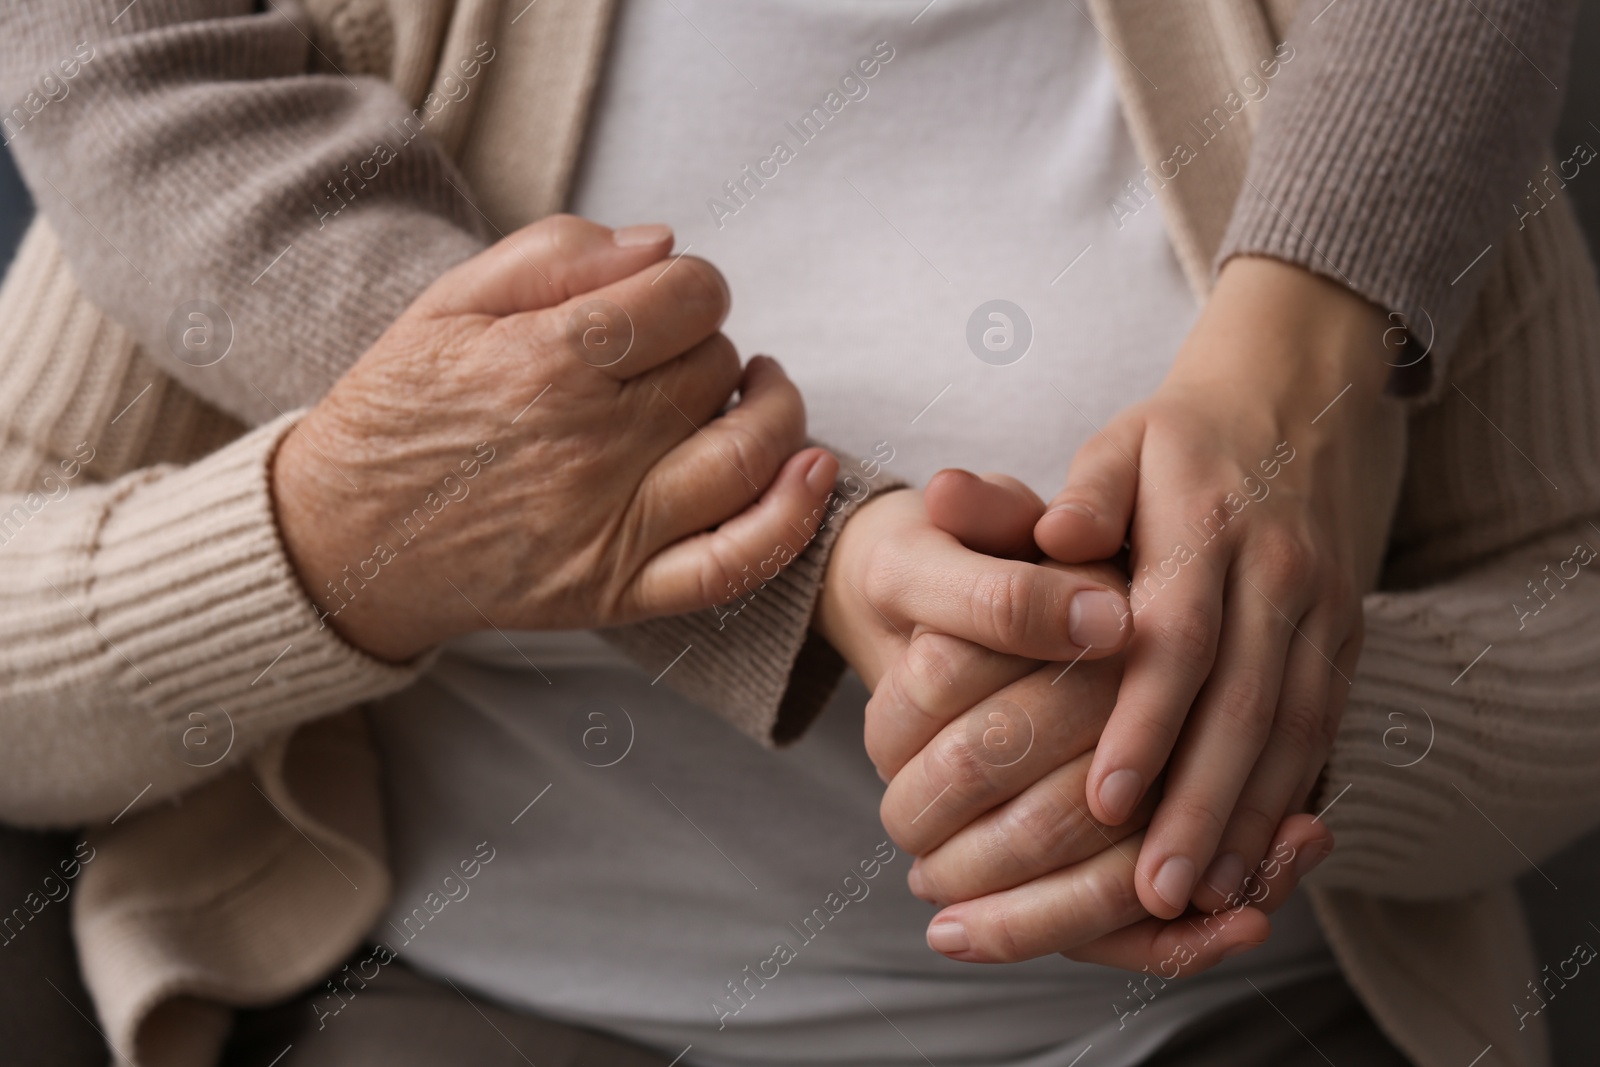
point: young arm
(1338, 271)
(1469, 742)
(1395, 149)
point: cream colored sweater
(163, 678)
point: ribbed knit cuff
(1396, 169)
(190, 585)
(1469, 747)
(754, 661)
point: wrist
(1297, 340)
(845, 617)
(329, 538)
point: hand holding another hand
(895, 575)
(989, 756)
(1256, 490)
(536, 443)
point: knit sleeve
(1470, 748)
(190, 161)
(755, 660)
(1400, 145)
(192, 158)
(153, 633)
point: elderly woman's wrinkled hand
(539, 443)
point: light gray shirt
(657, 874)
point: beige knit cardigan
(144, 595)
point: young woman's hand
(536, 443)
(1255, 490)
(894, 576)
(988, 761)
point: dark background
(1560, 917)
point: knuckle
(1252, 826)
(934, 884)
(1111, 892)
(960, 763)
(1186, 633)
(716, 572)
(1155, 734)
(1287, 559)
(1195, 818)
(1244, 706)
(898, 707)
(900, 829)
(563, 231)
(1303, 724)
(723, 359)
(1039, 830)
(701, 287)
(1001, 932)
(1005, 601)
(750, 447)
(925, 673)
(545, 333)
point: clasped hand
(987, 754)
(1080, 799)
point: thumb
(542, 265)
(993, 514)
(1088, 520)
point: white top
(673, 876)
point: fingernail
(915, 883)
(648, 234)
(1119, 793)
(1175, 881)
(1076, 509)
(948, 936)
(1239, 949)
(819, 479)
(1095, 618)
(1310, 856)
(1226, 873)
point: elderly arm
(231, 122)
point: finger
(733, 562)
(1176, 625)
(636, 324)
(1058, 912)
(544, 264)
(1292, 746)
(1089, 518)
(1046, 827)
(1221, 740)
(937, 678)
(1176, 948)
(1344, 669)
(1199, 940)
(720, 468)
(994, 514)
(1017, 608)
(995, 751)
(686, 393)
(1300, 843)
